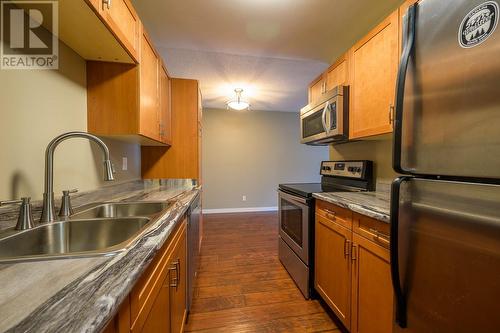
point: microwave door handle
(323, 118)
(409, 43)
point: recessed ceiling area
(270, 48)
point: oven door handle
(292, 197)
(323, 118)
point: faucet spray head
(108, 171)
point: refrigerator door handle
(408, 44)
(400, 300)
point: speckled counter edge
(360, 206)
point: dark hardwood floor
(242, 286)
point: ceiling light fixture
(238, 104)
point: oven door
(294, 224)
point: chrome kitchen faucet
(48, 210)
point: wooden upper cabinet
(333, 267)
(338, 73)
(128, 101)
(317, 88)
(165, 107)
(374, 61)
(95, 33)
(123, 21)
(183, 158)
(96, 4)
(372, 296)
(149, 69)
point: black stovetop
(306, 190)
(336, 176)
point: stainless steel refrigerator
(445, 210)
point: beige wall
(380, 152)
(36, 106)
(250, 153)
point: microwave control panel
(347, 169)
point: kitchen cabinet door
(165, 107)
(333, 267)
(317, 89)
(149, 90)
(183, 158)
(121, 322)
(374, 61)
(96, 4)
(338, 73)
(372, 296)
(158, 319)
(124, 23)
(178, 308)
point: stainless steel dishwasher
(193, 238)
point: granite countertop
(82, 295)
(375, 204)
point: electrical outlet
(124, 164)
(244, 198)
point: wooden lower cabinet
(157, 303)
(372, 298)
(352, 271)
(178, 310)
(158, 319)
(333, 267)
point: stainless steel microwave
(326, 121)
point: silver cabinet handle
(346, 247)
(174, 282)
(176, 266)
(330, 214)
(380, 237)
(353, 252)
(107, 3)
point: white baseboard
(239, 210)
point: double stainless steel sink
(98, 229)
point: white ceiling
(270, 48)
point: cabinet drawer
(334, 213)
(374, 230)
(149, 285)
